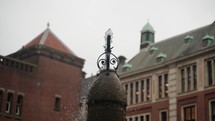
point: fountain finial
(107, 60)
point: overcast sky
(81, 24)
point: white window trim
(184, 66)
(58, 96)
(7, 103)
(18, 112)
(134, 101)
(20, 93)
(209, 104)
(206, 72)
(2, 89)
(10, 91)
(184, 106)
(167, 113)
(163, 85)
(139, 115)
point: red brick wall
(40, 87)
(153, 108)
(61, 79)
(200, 99)
(19, 82)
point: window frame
(209, 108)
(183, 76)
(19, 104)
(208, 82)
(134, 117)
(9, 102)
(183, 112)
(57, 103)
(1, 98)
(162, 85)
(160, 115)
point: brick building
(41, 81)
(172, 80)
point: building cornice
(48, 52)
(167, 63)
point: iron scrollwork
(108, 60)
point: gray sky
(81, 24)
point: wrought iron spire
(107, 60)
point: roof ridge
(44, 36)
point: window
(163, 116)
(147, 117)
(207, 40)
(57, 104)
(143, 117)
(147, 36)
(162, 86)
(188, 77)
(152, 50)
(131, 93)
(130, 119)
(19, 104)
(166, 85)
(148, 89)
(205, 43)
(9, 103)
(161, 57)
(210, 72)
(126, 89)
(1, 99)
(182, 80)
(137, 92)
(187, 39)
(189, 113)
(144, 37)
(145, 90)
(142, 91)
(212, 110)
(194, 77)
(136, 119)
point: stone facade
(173, 80)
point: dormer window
(207, 40)
(188, 38)
(127, 67)
(161, 57)
(152, 50)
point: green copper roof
(127, 65)
(208, 37)
(188, 37)
(148, 28)
(153, 49)
(162, 55)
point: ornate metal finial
(107, 60)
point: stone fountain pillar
(106, 98)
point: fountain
(106, 98)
